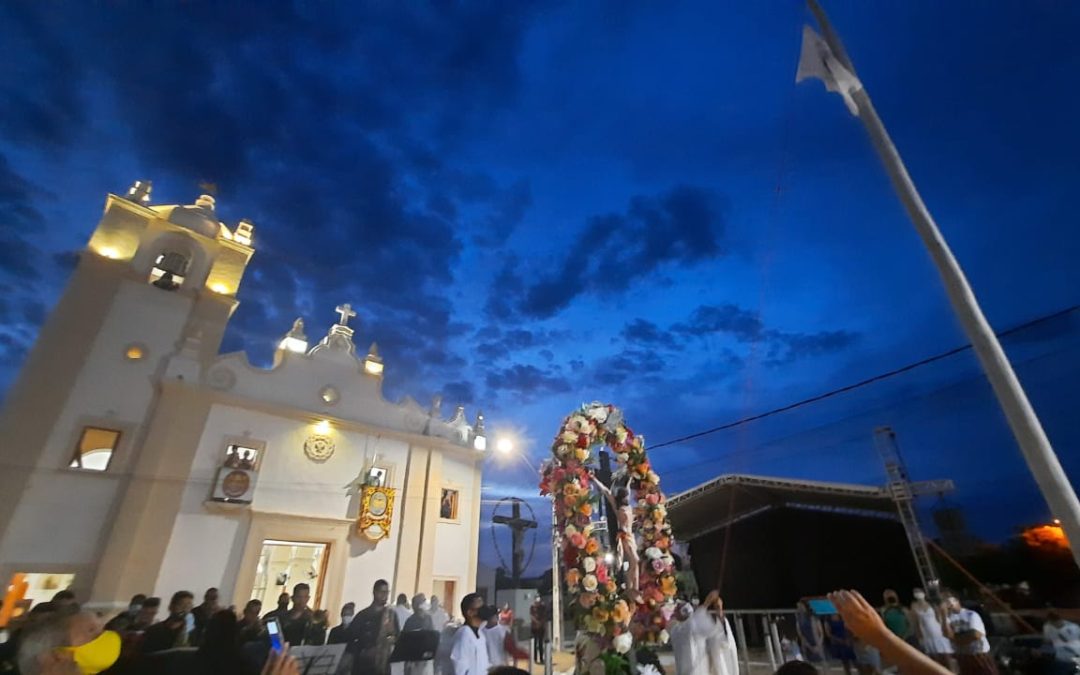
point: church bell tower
(152, 281)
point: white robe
(704, 646)
(469, 654)
(495, 637)
(403, 614)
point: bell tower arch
(151, 281)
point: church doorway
(444, 589)
(283, 564)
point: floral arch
(602, 609)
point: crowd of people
(943, 630)
(57, 637)
(936, 636)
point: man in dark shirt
(373, 632)
(340, 634)
(281, 610)
(202, 614)
(173, 631)
(251, 629)
(296, 622)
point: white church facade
(137, 459)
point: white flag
(817, 60)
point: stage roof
(733, 497)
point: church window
(241, 457)
(448, 505)
(95, 449)
(169, 270)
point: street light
(504, 445)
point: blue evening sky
(534, 205)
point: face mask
(189, 622)
(346, 619)
(425, 606)
(98, 654)
(919, 595)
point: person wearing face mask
(928, 631)
(967, 632)
(469, 654)
(420, 620)
(175, 630)
(67, 644)
(340, 634)
(122, 621)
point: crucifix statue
(517, 526)
(347, 312)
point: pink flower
(577, 539)
(653, 499)
(658, 566)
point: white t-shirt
(469, 654)
(1065, 639)
(964, 621)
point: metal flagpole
(1034, 444)
(556, 583)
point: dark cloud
(526, 381)
(743, 324)
(683, 225)
(787, 347)
(459, 393)
(629, 365)
(20, 223)
(514, 342)
(642, 331)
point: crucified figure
(626, 550)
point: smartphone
(274, 628)
(821, 606)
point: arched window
(169, 270)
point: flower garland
(600, 608)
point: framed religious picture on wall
(448, 505)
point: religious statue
(626, 549)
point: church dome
(199, 217)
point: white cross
(347, 312)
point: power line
(862, 383)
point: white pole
(1029, 434)
(556, 583)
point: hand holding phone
(822, 606)
(274, 629)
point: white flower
(589, 564)
(623, 642)
(621, 457)
(570, 530)
(664, 637)
(647, 669)
(598, 412)
(568, 437)
(589, 582)
(653, 553)
(653, 478)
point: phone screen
(821, 606)
(274, 628)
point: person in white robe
(495, 638)
(469, 655)
(703, 641)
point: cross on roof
(347, 312)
